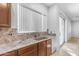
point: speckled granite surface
(11, 40)
(19, 44)
(9, 35)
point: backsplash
(9, 35)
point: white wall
(13, 15)
(53, 23)
(75, 28)
(69, 24)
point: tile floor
(71, 48)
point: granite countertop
(21, 43)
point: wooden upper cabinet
(5, 16)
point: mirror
(30, 20)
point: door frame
(64, 31)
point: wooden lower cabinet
(43, 48)
(28, 50)
(31, 53)
(49, 47)
(12, 53)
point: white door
(61, 31)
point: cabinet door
(28, 50)
(5, 14)
(42, 48)
(49, 47)
(25, 20)
(37, 22)
(30, 53)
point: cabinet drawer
(12, 53)
(27, 49)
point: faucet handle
(35, 35)
(10, 34)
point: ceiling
(48, 4)
(70, 9)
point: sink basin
(40, 38)
(19, 41)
